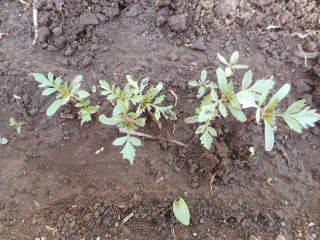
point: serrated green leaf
(193, 119)
(278, 96)
(269, 136)
(52, 109)
(262, 85)
(234, 57)
(48, 91)
(85, 117)
(295, 107)
(247, 99)
(222, 59)
(105, 85)
(42, 79)
(82, 94)
(159, 100)
(108, 121)
(50, 77)
(223, 110)
(201, 92)
(293, 124)
(132, 82)
(206, 139)
(120, 141)
(247, 80)
(128, 152)
(212, 131)
(135, 141)
(181, 211)
(57, 83)
(222, 80)
(238, 114)
(140, 122)
(306, 117)
(204, 75)
(201, 129)
(194, 83)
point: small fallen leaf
(175, 96)
(181, 211)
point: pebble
(280, 237)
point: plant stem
(139, 134)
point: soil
(54, 185)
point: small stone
(101, 209)
(177, 169)
(25, 99)
(68, 52)
(280, 237)
(86, 61)
(252, 237)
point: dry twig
(175, 96)
(35, 21)
(139, 134)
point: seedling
(129, 105)
(181, 211)
(232, 64)
(16, 125)
(65, 93)
(213, 105)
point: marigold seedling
(251, 95)
(129, 105)
(16, 125)
(65, 93)
(181, 211)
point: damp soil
(54, 183)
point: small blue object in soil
(3, 140)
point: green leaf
(238, 114)
(132, 82)
(85, 116)
(120, 141)
(129, 152)
(222, 59)
(159, 100)
(42, 79)
(50, 77)
(201, 129)
(48, 91)
(295, 107)
(12, 121)
(206, 140)
(201, 92)
(293, 124)
(212, 131)
(194, 83)
(52, 109)
(140, 122)
(247, 80)
(247, 99)
(193, 119)
(204, 75)
(262, 85)
(57, 83)
(223, 110)
(135, 141)
(228, 71)
(234, 57)
(82, 94)
(278, 96)
(222, 80)
(268, 136)
(181, 211)
(108, 121)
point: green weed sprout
(129, 105)
(16, 125)
(65, 93)
(221, 98)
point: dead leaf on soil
(175, 96)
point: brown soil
(54, 186)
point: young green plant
(65, 93)
(130, 104)
(17, 125)
(251, 95)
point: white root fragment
(35, 22)
(127, 218)
(139, 134)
